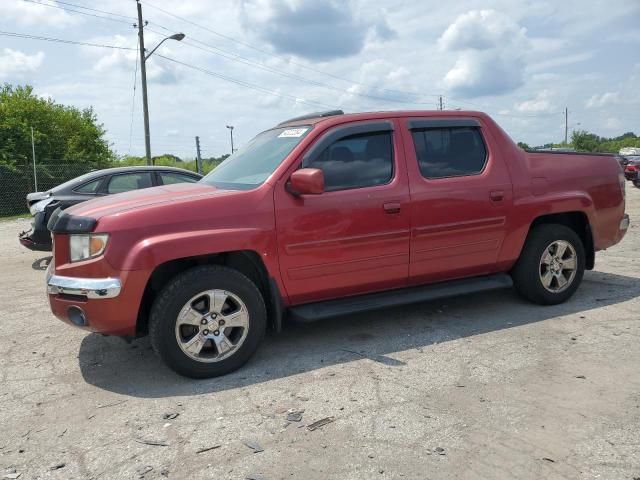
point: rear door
(461, 195)
(125, 182)
(169, 178)
(354, 237)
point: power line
(96, 10)
(50, 5)
(246, 61)
(245, 84)
(271, 54)
(60, 40)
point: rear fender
(527, 211)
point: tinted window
(169, 178)
(357, 161)
(91, 187)
(449, 152)
(252, 163)
(129, 181)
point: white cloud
(484, 73)
(481, 30)
(604, 100)
(541, 103)
(30, 14)
(561, 61)
(490, 53)
(613, 124)
(380, 79)
(17, 63)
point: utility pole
(33, 153)
(198, 157)
(440, 107)
(566, 125)
(143, 76)
(230, 127)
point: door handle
(496, 195)
(391, 208)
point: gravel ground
(482, 386)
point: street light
(230, 127)
(143, 75)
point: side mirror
(306, 181)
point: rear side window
(169, 178)
(357, 161)
(129, 181)
(449, 152)
(91, 187)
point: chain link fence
(17, 182)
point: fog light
(77, 316)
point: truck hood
(139, 199)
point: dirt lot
(506, 389)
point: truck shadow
(133, 369)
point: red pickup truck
(326, 215)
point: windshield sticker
(293, 132)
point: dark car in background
(92, 185)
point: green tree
(524, 146)
(62, 134)
(584, 141)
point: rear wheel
(207, 321)
(551, 265)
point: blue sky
(261, 61)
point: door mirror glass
(306, 181)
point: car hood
(140, 199)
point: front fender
(150, 252)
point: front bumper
(26, 240)
(91, 288)
(38, 238)
(108, 303)
(624, 223)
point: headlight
(39, 206)
(84, 247)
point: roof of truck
(337, 116)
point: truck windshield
(252, 164)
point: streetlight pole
(143, 77)
(230, 127)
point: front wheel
(636, 183)
(207, 321)
(551, 265)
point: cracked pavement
(502, 388)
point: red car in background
(632, 170)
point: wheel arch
(578, 221)
(247, 262)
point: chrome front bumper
(87, 287)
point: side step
(312, 312)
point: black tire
(636, 183)
(526, 273)
(178, 291)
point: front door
(354, 237)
